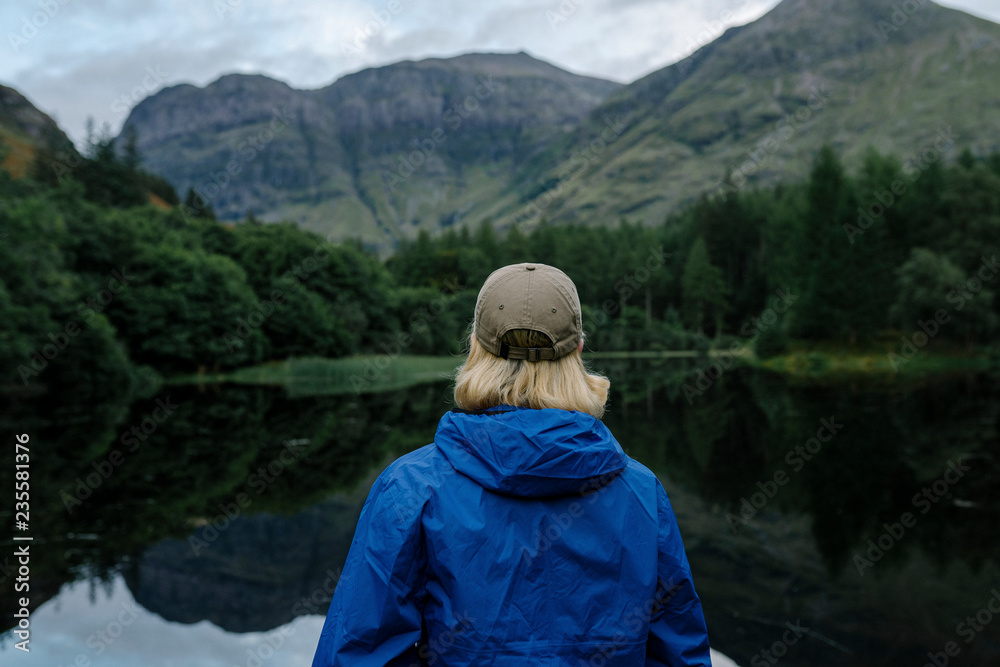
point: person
(523, 535)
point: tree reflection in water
(240, 505)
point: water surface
(845, 524)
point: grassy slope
(821, 364)
(21, 152)
(334, 377)
(894, 95)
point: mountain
(23, 129)
(375, 155)
(257, 574)
(753, 107)
(385, 152)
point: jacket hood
(531, 453)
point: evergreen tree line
(893, 250)
(97, 285)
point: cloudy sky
(80, 58)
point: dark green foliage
(90, 291)
(852, 252)
(994, 163)
(50, 335)
(197, 207)
(179, 307)
(731, 227)
(331, 300)
(824, 273)
(772, 341)
(107, 179)
(703, 289)
(932, 288)
(834, 243)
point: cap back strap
(527, 353)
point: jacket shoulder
(422, 468)
(640, 472)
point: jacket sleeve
(677, 632)
(375, 615)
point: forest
(103, 260)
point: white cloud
(88, 55)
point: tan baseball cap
(529, 296)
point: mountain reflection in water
(239, 507)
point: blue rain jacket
(519, 537)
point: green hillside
(754, 107)
(377, 155)
(386, 152)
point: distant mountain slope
(375, 155)
(23, 128)
(755, 105)
(385, 152)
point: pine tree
(831, 288)
(131, 157)
(703, 289)
(197, 207)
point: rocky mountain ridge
(383, 153)
(23, 128)
(376, 154)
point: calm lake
(826, 524)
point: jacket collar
(530, 453)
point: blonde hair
(486, 381)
